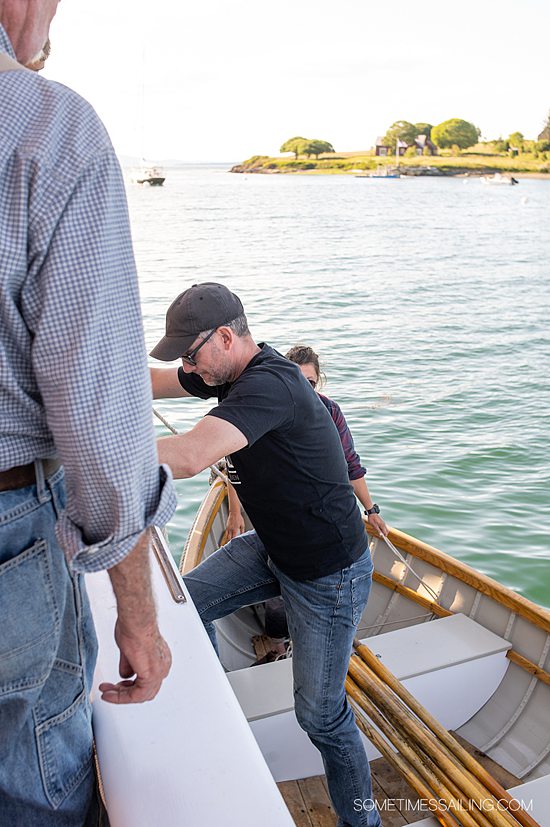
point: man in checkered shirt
(80, 483)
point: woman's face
(310, 374)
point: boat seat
(533, 795)
(452, 665)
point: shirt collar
(5, 44)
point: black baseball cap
(200, 307)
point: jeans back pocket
(28, 620)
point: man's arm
(363, 495)
(84, 311)
(188, 454)
(143, 651)
(165, 383)
(235, 520)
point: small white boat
(500, 179)
(473, 652)
(154, 176)
(381, 172)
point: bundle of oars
(451, 783)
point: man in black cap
(309, 543)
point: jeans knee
(322, 718)
(310, 716)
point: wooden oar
(445, 737)
(391, 707)
(413, 728)
(412, 778)
(441, 786)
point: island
(453, 147)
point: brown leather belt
(23, 475)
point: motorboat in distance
(154, 176)
(500, 179)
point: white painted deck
(188, 757)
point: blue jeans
(322, 617)
(47, 656)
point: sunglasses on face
(189, 357)
(312, 382)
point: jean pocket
(28, 620)
(65, 740)
(360, 590)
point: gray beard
(216, 379)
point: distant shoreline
(465, 165)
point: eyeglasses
(312, 382)
(189, 357)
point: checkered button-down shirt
(70, 321)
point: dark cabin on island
(421, 142)
(424, 144)
(382, 149)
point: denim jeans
(322, 617)
(47, 657)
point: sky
(221, 80)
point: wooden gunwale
(537, 615)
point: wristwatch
(374, 510)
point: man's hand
(145, 654)
(143, 651)
(376, 521)
(235, 524)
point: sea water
(428, 302)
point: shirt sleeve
(194, 385)
(88, 330)
(355, 469)
(257, 404)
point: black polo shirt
(293, 474)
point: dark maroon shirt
(355, 469)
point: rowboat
(471, 651)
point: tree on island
(306, 146)
(316, 147)
(455, 132)
(516, 140)
(423, 129)
(400, 131)
(295, 145)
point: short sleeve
(256, 405)
(194, 385)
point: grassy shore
(476, 161)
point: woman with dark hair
(308, 362)
(275, 618)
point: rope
(171, 428)
(412, 571)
